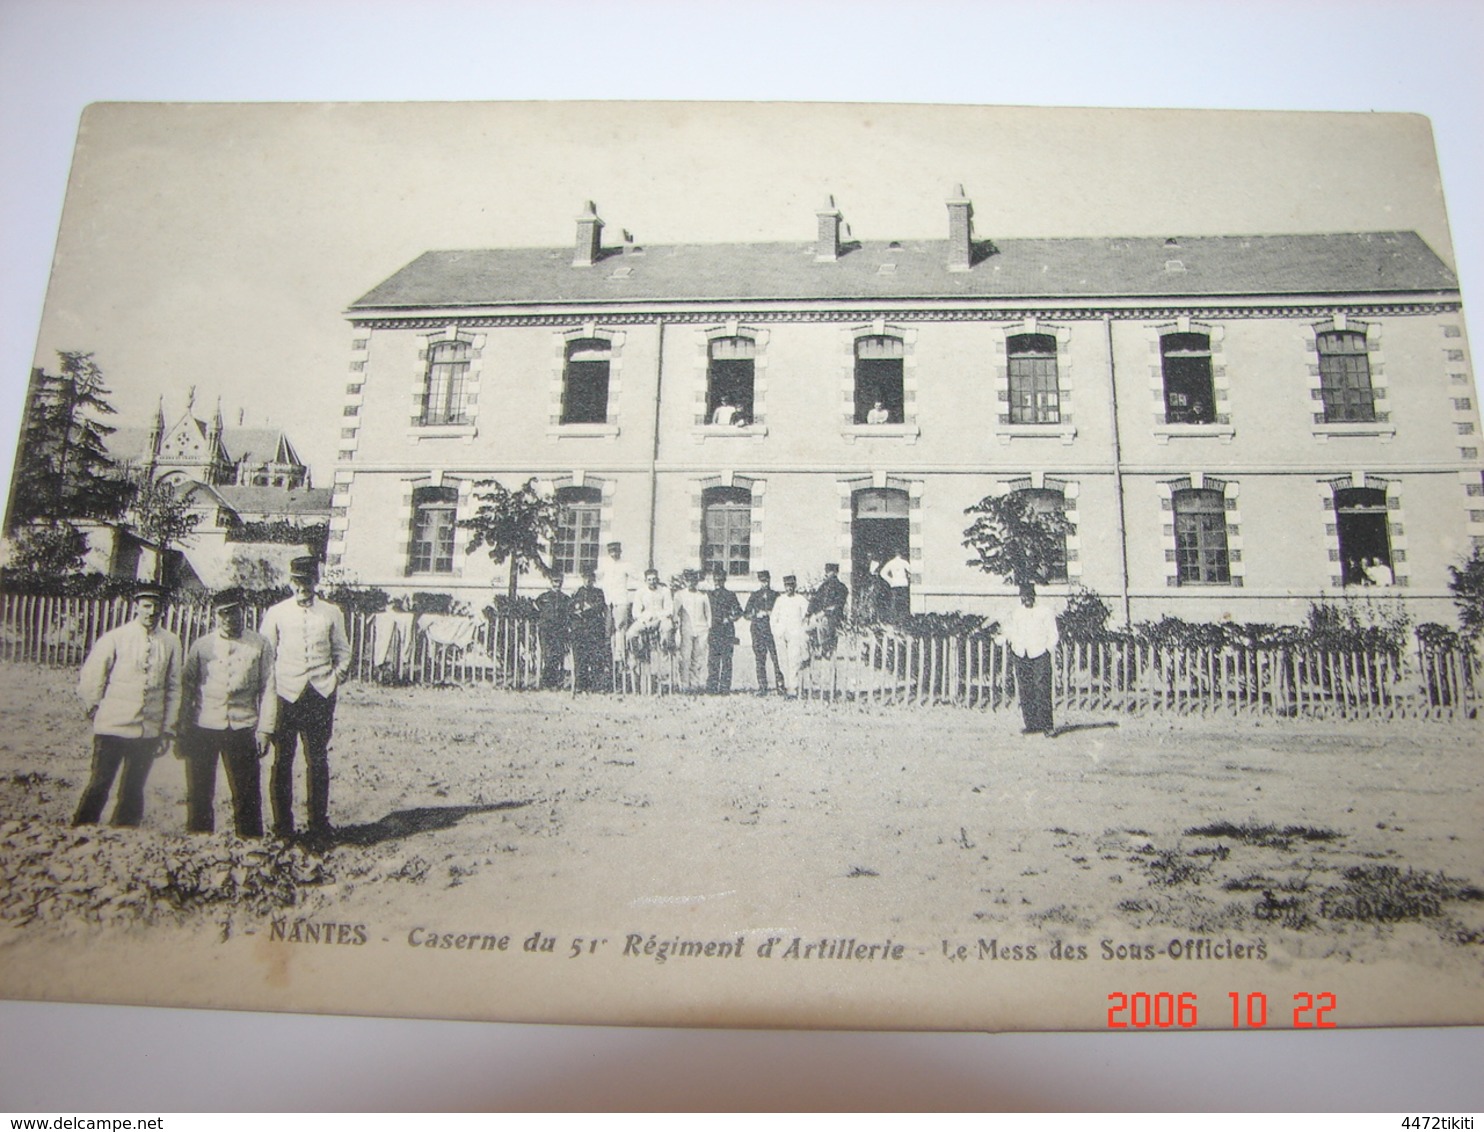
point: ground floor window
(1200, 537)
(579, 529)
(1046, 501)
(433, 529)
(1365, 540)
(726, 526)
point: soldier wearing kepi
(553, 627)
(759, 613)
(721, 638)
(311, 660)
(1030, 631)
(827, 608)
(130, 683)
(230, 710)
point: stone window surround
(1323, 430)
(1070, 491)
(847, 486)
(579, 478)
(756, 559)
(467, 430)
(702, 430)
(1220, 385)
(1236, 567)
(462, 508)
(560, 341)
(908, 430)
(1396, 530)
(1064, 430)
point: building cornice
(712, 312)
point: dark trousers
(553, 655)
(592, 656)
(137, 756)
(238, 751)
(311, 718)
(719, 663)
(1033, 687)
(763, 647)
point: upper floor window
(731, 365)
(1345, 377)
(1034, 396)
(585, 381)
(1361, 521)
(443, 387)
(726, 530)
(1201, 552)
(433, 510)
(579, 529)
(878, 379)
(1046, 501)
(1190, 396)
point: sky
(218, 246)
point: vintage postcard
(749, 565)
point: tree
(513, 525)
(63, 470)
(1015, 539)
(48, 550)
(1467, 584)
(164, 518)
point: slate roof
(302, 502)
(1134, 267)
(255, 445)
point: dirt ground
(1355, 843)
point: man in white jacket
(790, 630)
(311, 660)
(130, 684)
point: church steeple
(156, 436)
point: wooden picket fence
(880, 665)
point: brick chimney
(960, 231)
(589, 237)
(827, 247)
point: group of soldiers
(239, 695)
(616, 619)
(236, 696)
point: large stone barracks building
(1234, 425)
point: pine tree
(63, 470)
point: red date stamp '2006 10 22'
(1165, 1010)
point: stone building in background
(1235, 425)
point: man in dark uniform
(827, 609)
(591, 652)
(553, 626)
(759, 613)
(726, 610)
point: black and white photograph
(749, 564)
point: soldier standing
(693, 624)
(130, 683)
(311, 660)
(592, 655)
(230, 709)
(553, 627)
(827, 608)
(1030, 631)
(759, 613)
(721, 637)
